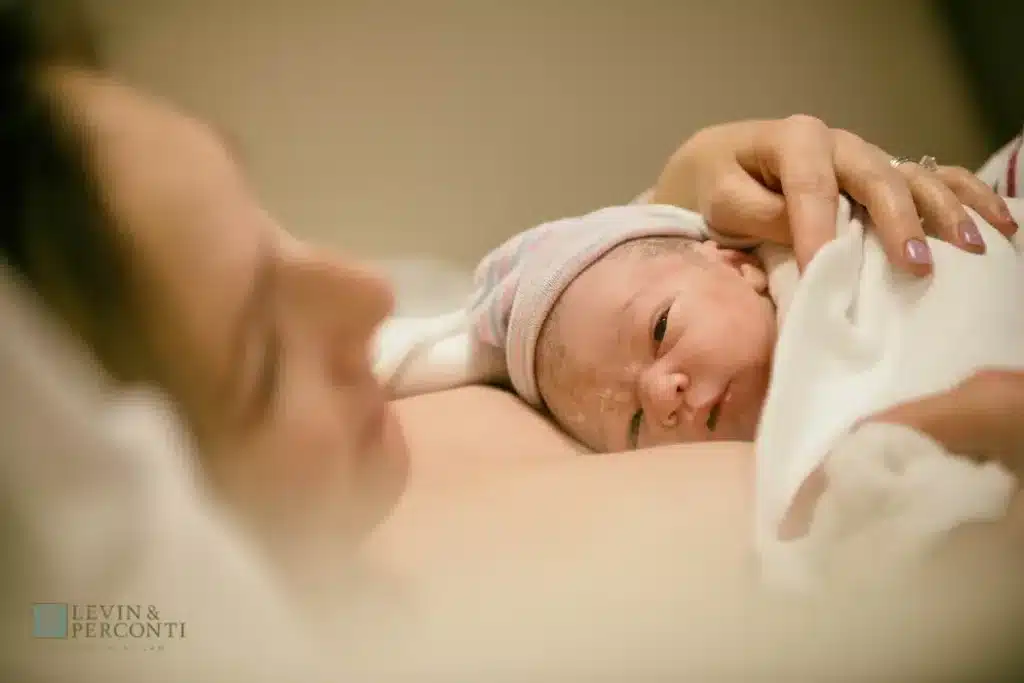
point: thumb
(740, 206)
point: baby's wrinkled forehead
(587, 355)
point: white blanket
(860, 337)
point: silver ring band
(926, 162)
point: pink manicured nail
(918, 252)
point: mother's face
(263, 341)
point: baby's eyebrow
(628, 304)
(625, 330)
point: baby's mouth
(716, 410)
(713, 416)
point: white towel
(859, 338)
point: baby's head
(659, 338)
(662, 340)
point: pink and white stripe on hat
(519, 283)
(1004, 171)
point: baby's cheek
(584, 428)
(579, 422)
(575, 420)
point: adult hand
(981, 418)
(780, 181)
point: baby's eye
(658, 333)
(634, 428)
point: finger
(740, 206)
(798, 153)
(943, 214)
(865, 172)
(973, 192)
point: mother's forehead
(175, 194)
(166, 177)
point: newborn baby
(661, 340)
(631, 327)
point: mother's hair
(53, 225)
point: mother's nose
(366, 295)
(661, 395)
(352, 295)
(343, 301)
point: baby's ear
(746, 265)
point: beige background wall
(438, 127)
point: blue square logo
(50, 620)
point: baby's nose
(665, 394)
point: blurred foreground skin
(648, 573)
(494, 577)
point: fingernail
(1007, 218)
(969, 233)
(917, 252)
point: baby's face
(661, 348)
